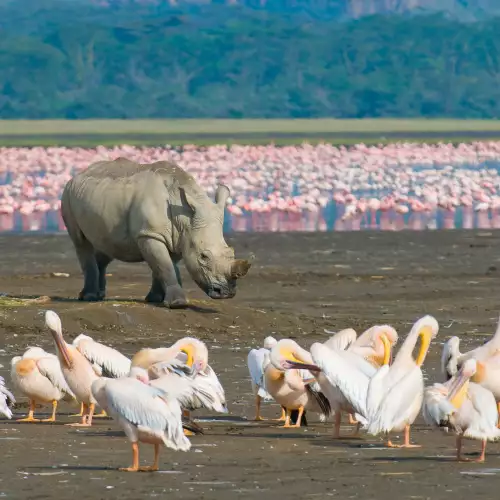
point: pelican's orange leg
(299, 418)
(258, 400)
(283, 415)
(352, 420)
(103, 414)
(83, 422)
(156, 463)
(53, 417)
(498, 409)
(135, 460)
(287, 425)
(30, 418)
(82, 407)
(336, 432)
(406, 443)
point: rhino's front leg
(157, 256)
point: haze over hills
(466, 10)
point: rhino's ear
(221, 196)
(188, 199)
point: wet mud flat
(299, 285)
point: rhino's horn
(221, 195)
(239, 268)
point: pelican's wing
(485, 406)
(436, 408)
(6, 399)
(340, 373)
(342, 340)
(397, 401)
(366, 338)
(51, 368)
(175, 366)
(315, 391)
(149, 408)
(257, 361)
(112, 362)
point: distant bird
(106, 361)
(76, 369)
(146, 413)
(464, 407)
(257, 360)
(37, 374)
(6, 399)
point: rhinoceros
(155, 213)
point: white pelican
(76, 369)
(6, 399)
(344, 376)
(106, 361)
(396, 392)
(464, 407)
(146, 414)
(37, 374)
(288, 387)
(488, 362)
(257, 360)
(194, 354)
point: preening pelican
(344, 376)
(106, 361)
(488, 362)
(37, 374)
(369, 346)
(288, 387)
(257, 360)
(146, 414)
(466, 408)
(76, 369)
(206, 390)
(396, 392)
(6, 399)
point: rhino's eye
(205, 257)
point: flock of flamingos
(294, 188)
(152, 396)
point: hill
(62, 59)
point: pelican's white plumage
(341, 340)
(146, 414)
(257, 360)
(466, 408)
(108, 361)
(37, 375)
(396, 392)
(6, 399)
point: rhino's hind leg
(156, 254)
(102, 263)
(86, 255)
(156, 294)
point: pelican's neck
(147, 357)
(405, 353)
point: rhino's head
(208, 258)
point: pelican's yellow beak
(387, 349)
(63, 350)
(425, 335)
(458, 391)
(188, 350)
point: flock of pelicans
(153, 394)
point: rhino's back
(112, 201)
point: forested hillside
(80, 60)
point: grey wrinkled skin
(155, 213)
